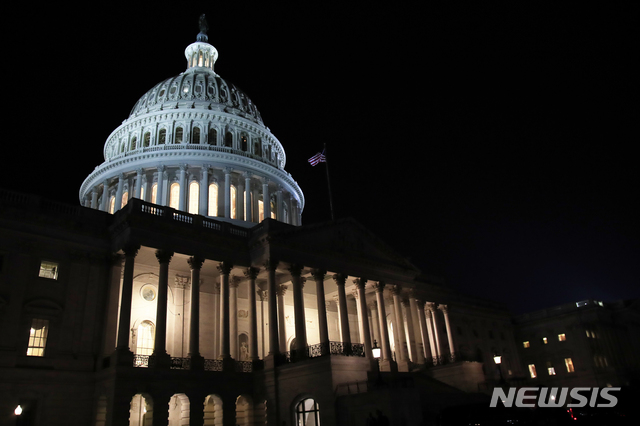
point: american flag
(318, 158)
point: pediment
(341, 242)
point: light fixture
(375, 350)
(497, 359)
(18, 410)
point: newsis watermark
(549, 397)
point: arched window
(112, 204)
(147, 139)
(195, 138)
(273, 210)
(234, 198)
(243, 143)
(162, 136)
(145, 338)
(260, 210)
(213, 137)
(213, 200)
(133, 143)
(307, 413)
(174, 195)
(256, 148)
(125, 198)
(228, 140)
(178, 138)
(142, 193)
(194, 197)
(154, 193)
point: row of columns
(417, 312)
(244, 191)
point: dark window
(228, 140)
(195, 137)
(213, 137)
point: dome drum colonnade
(197, 143)
(414, 321)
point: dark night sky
(489, 144)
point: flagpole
(326, 162)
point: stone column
(160, 186)
(413, 352)
(364, 320)
(251, 274)
(452, 349)
(344, 313)
(183, 190)
(417, 325)
(203, 204)
(262, 294)
(375, 322)
(225, 346)
(104, 204)
(386, 361)
(274, 348)
(433, 331)
(240, 197)
(402, 339)
(124, 354)
(424, 332)
(118, 202)
(197, 361)
(234, 282)
(247, 197)
(160, 355)
(280, 205)
(136, 193)
(298, 306)
(94, 198)
(266, 199)
(282, 329)
(227, 192)
(318, 276)
(217, 304)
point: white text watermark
(554, 397)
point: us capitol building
(185, 289)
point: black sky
(494, 144)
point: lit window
(112, 205)
(48, 270)
(142, 192)
(569, 364)
(562, 337)
(544, 340)
(307, 413)
(125, 199)
(526, 344)
(194, 195)
(532, 371)
(260, 210)
(588, 333)
(38, 337)
(550, 369)
(154, 193)
(273, 210)
(174, 196)
(145, 338)
(234, 213)
(213, 200)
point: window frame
(300, 410)
(56, 267)
(38, 350)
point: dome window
(133, 143)
(195, 137)
(228, 140)
(185, 88)
(162, 136)
(161, 94)
(147, 139)
(178, 138)
(213, 137)
(244, 143)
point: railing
(244, 366)
(323, 349)
(141, 361)
(180, 363)
(212, 365)
(450, 358)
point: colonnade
(415, 324)
(238, 194)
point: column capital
(336, 299)
(234, 281)
(295, 269)
(251, 273)
(281, 290)
(395, 290)
(405, 302)
(355, 292)
(318, 274)
(419, 302)
(225, 268)
(164, 256)
(228, 170)
(183, 167)
(271, 264)
(372, 305)
(131, 250)
(195, 262)
(431, 306)
(360, 282)
(303, 280)
(444, 309)
(339, 278)
(181, 281)
(262, 294)
(115, 259)
(378, 286)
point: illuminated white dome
(192, 132)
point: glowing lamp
(497, 359)
(375, 350)
(18, 410)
